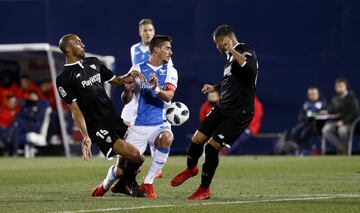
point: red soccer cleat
(183, 176)
(201, 194)
(98, 191)
(149, 190)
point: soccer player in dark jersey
(80, 85)
(230, 117)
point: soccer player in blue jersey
(140, 53)
(148, 123)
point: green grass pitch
(241, 184)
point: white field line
(300, 198)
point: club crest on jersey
(162, 71)
(62, 92)
(108, 139)
(93, 66)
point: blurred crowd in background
(28, 113)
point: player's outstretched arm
(248, 63)
(80, 122)
(127, 78)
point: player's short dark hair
(343, 80)
(157, 41)
(223, 30)
(145, 21)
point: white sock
(110, 178)
(152, 149)
(160, 157)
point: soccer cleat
(159, 174)
(98, 191)
(135, 190)
(149, 190)
(131, 189)
(201, 194)
(183, 176)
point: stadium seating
(37, 138)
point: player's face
(165, 52)
(77, 48)
(220, 44)
(146, 32)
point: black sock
(209, 167)
(130, 171)
(194, 153)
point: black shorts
(225, 126)
(105, 137)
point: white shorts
(140, 136)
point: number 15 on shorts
(102, 133)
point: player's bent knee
(199, 138)
(215, 144)
(136, 157)
(119, 172)
(165, 139)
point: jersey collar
(78, 62)
(155, 68)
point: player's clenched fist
(137, 74)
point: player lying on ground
(230, 117)
(80, 84)
(148, 123)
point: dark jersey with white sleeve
(237, 89)
(83, 82)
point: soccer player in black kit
(80, 85)
(230, 117)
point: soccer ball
(177, 113)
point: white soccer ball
(177, 113)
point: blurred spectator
(8, 112)
(344, 108)
(26, 86)
(8, 86)
(206, 107)
(301, 133)
(252, 130)
(47, 89)
(27, 122)
(54, 133)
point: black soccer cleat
(130, 189)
